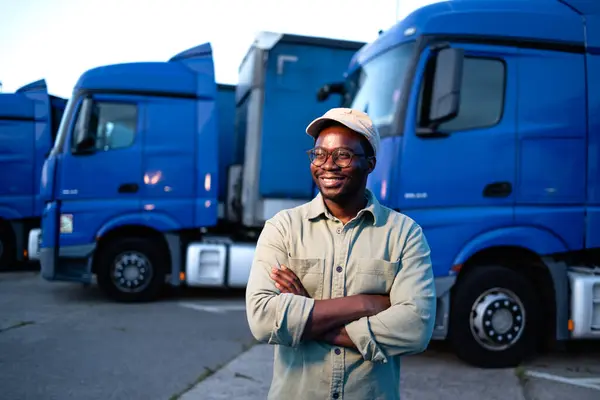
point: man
(342, 286)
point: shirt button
(336, 395)
(338, 351)
(338, 269)
(339, 230)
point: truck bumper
(73, 264)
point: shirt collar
(316, 207)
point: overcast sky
(60, 39)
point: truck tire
(494, 318)
(7, 247)
(131, 270)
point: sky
(58, 40)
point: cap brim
(314, 128)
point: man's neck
(348, 209)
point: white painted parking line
(590, 383)
(216, 308)
(594, 381)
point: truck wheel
(7, 248)
(131, 270)
(493, 320)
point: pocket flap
(376, 266)
(306, 265)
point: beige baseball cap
(356, 120)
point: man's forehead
(335, 135)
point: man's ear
(372, 161)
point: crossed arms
(279, 310)
(329, 317)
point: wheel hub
(132, 272)
(497, 319)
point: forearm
(403, 329)
(328, 315)
(338, 337)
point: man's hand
(287, 281)
(337, 337)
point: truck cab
(135, 160)
(490, 125)
(29, 121)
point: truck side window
(482, 95)
(117, 125)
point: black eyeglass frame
(335, 154)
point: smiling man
(341, 286)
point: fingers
(282, 285)
(287, 281)
(297, 282)
(292, 280)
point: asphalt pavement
(433, 375)
(62, 341)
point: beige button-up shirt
(380, 251)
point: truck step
(585, 302)
(219, 263)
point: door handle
(128, 188)
(498, 189)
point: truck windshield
(376, 86)
(64, 126)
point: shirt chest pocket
(310, 273)
(374, 276)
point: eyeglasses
(341, 157)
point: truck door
(100, 173)
(474, 163)
(464, 180)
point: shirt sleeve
(407, 326)
(274, 317)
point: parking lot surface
(434, 375)
(62, 341)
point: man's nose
(330, 164)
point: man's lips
(331, 181)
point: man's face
(334, 182)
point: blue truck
(29, 120)
(490, 125)
(151, 181)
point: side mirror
(442, 100)
(86, 146)
(84, 139)
(326, 90)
